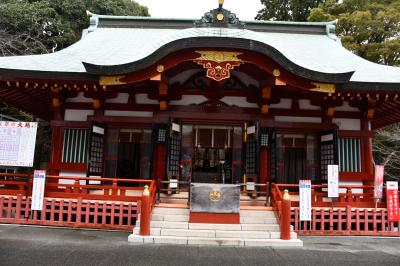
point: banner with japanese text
(392, 198)
(305, 200)
(378, 185)
(17, 143)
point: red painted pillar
(367, 150)
(264, 167)
(160, 162)
(145, 214)
(285, 219)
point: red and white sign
(378, 186)
(305, 200)
(392, 197)
(39, 181)
(17, 143)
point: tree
(42, 26)
(369, 28)
(386, 148)
(34, 27)
(287, 10)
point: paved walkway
(23, 245)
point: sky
(195, 9)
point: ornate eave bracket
(220, 18)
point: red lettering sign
(392, 198)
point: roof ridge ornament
(220, 18)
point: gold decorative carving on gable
(218, 63)
(111, 80)
(323, 87)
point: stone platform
(171, 226)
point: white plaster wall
(142, 98)
(347, 123)
(298, 119)
(238, 101)
(283, 104)
(71, 174)
(246, 79)
(351, 183)
(79, 99)
(305, 104)
(183, 76)
(77, 115)
(189, 99)
(346, 107)
(121, 98)
(128, 113)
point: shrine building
(212, 100)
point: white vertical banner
(305, 200)
(333, 181)
(39, 181)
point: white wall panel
(128, 113)
(283, 104)
(121, 98)
(238, 101)
(77, 115)
(347, 123)
(298, 119)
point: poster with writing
(305, 200)
(392, 198)
(378, 184)
(39, 181)
(333, 181)
(17, 143)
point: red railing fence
(344, 216)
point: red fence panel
(69, 212)
(345, 221)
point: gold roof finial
(220, 2)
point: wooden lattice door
(96, 150)
(328, 152)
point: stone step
(170, 211)
(214, 241)
(265, 227)
(260, 227)
(242, 234)
(257, 220)
(170, 217)
(214, 233)
(168, 224)
(264, 214)
(188, 233)
(206, 226)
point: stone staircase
(171, 226)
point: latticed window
(349, 151)
(75, 145)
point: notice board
(17, 143)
